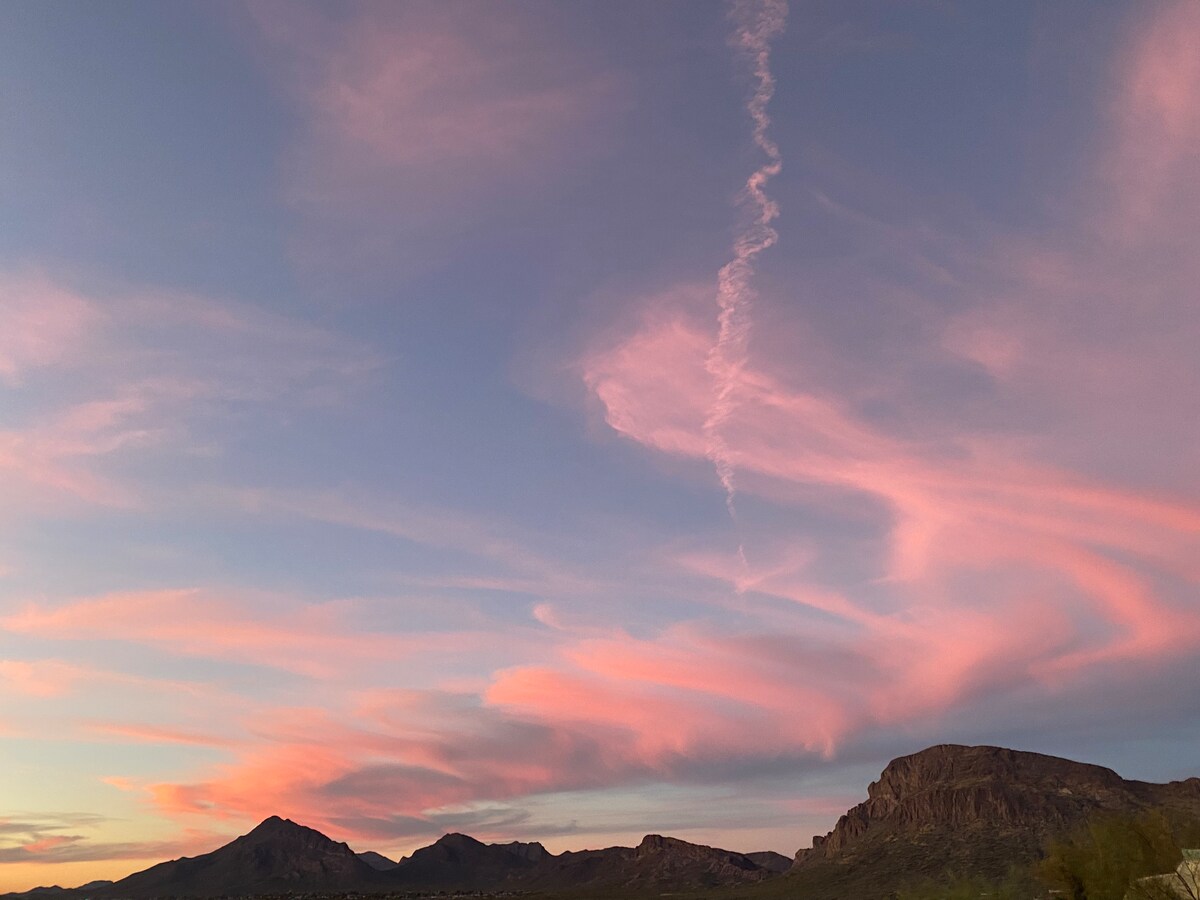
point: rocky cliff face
(956, 787)
(969, 810)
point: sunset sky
(568, 421)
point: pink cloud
(44, 324)
(386, 766)
(55, 459)
(614, 710)
(440, 94)
(315, 640)
(40, 678)
(1152, 163)
(273, 782)
(152, 734)
(128, 373)
(1097, 319)
(686, 695)
(966, 503)
(47, 844)
(416, 114)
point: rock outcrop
(970, 810)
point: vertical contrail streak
(756, 23)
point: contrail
(756, 23)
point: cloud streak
(757, 23)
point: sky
(571, 421)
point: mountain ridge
(947, 809)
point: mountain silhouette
(279, 856)
(948, 809)
(457, 860)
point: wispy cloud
(445, 109)
(318, 640)
(40, 678)
(514, 563)
(112, 374)
(43, 324)
(756, 25)
(57, 839)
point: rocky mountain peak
(976, 809)
(276, 826)
(656, 843)
(955, 764)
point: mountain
(967, 810)
(948, 810)
(460, 861)
(282, 857)
(656, 863)
(770, 860)
(457, 861)
(377, 861)
(278, 856)
(54, 892)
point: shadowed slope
(377, 861)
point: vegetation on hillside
(1019, 884)
(1107, 857)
